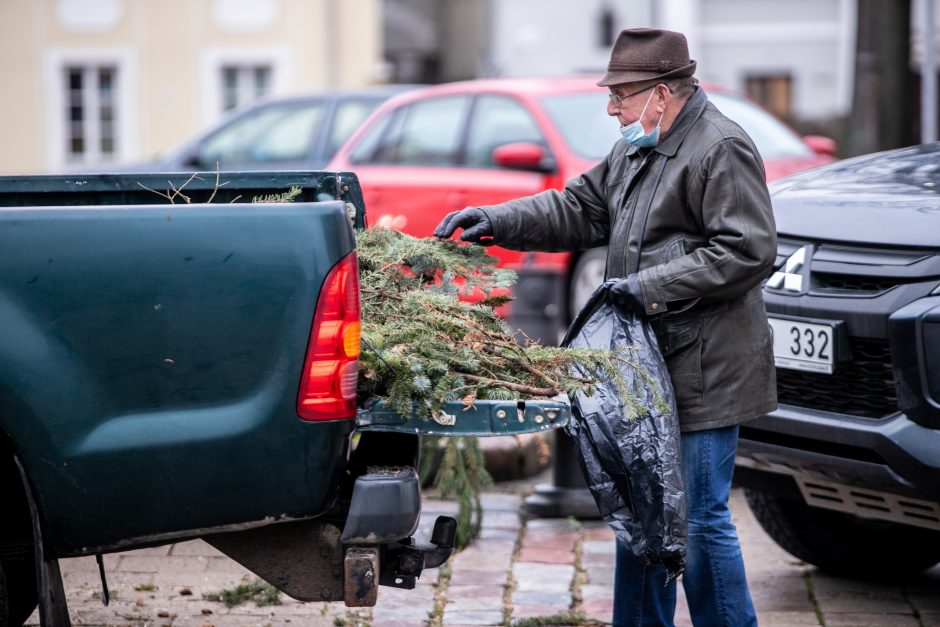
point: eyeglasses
(618, 100)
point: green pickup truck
(173, 370)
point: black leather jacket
(693, 217)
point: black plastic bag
(631, 464)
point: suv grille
(863, 386)
(826, 281)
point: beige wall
(169, 52)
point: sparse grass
(144, 587)
(260, 592)
(568, 618)
(811, 591)
(352, 619)
(444, 572)
(511, 578)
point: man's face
(628, 100)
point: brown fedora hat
(643, 54)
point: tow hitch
(398, 566)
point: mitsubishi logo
(790, 277)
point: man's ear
(663, 93)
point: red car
(437, 149)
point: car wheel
(18, 594)
(843, 544)
(587, 274)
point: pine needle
(431, 332)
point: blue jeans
(714, 581)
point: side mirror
(821, 145)
(524, 156)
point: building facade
(98, 82)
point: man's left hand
(626, 293)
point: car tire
(18, 594)
(587, 274)
(843, 544)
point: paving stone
(494, 501)
(382, 622)
(473, 618)
(552, 524)
(841, 595)
(501, 520)
(781, 593)
(598, 560)
(848, 619)
(478, 590)
(490, 533)
(598, 609)
(438, 507)
(477, 560)
(154, 564)
(520, 612)
(421, 594)
(163, 549)
(787, 619)
(473, 577)
(540, 597)
(598, 532)
(546, 577)
(930, 620)
(550, 539)
(418, 612)
(474, 604)
(560, 555)
(195, 547)
(597, 591)
(598, 547)
(600, 576)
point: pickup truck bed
(181, 370)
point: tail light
(331, 368)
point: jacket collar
(691, 111)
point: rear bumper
(892, 455)
(385, 507)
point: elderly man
(683, 206)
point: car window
(363, 151)
(424, 133)
(281, 132)
(772, 138)
(349, 115)
(582, 120)
(498, 120)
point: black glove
(473, 221)
(626, 293)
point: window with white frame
(243, 84)
(91, 112)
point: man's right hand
(473, 221)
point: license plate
(801, 345)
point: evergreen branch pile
(423, 345)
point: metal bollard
(567, 494)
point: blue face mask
(633, 133)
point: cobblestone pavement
(516, 569)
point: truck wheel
(587, 274)
(843, 544)
(18, 595)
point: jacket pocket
(663, 253)
(681, 346)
